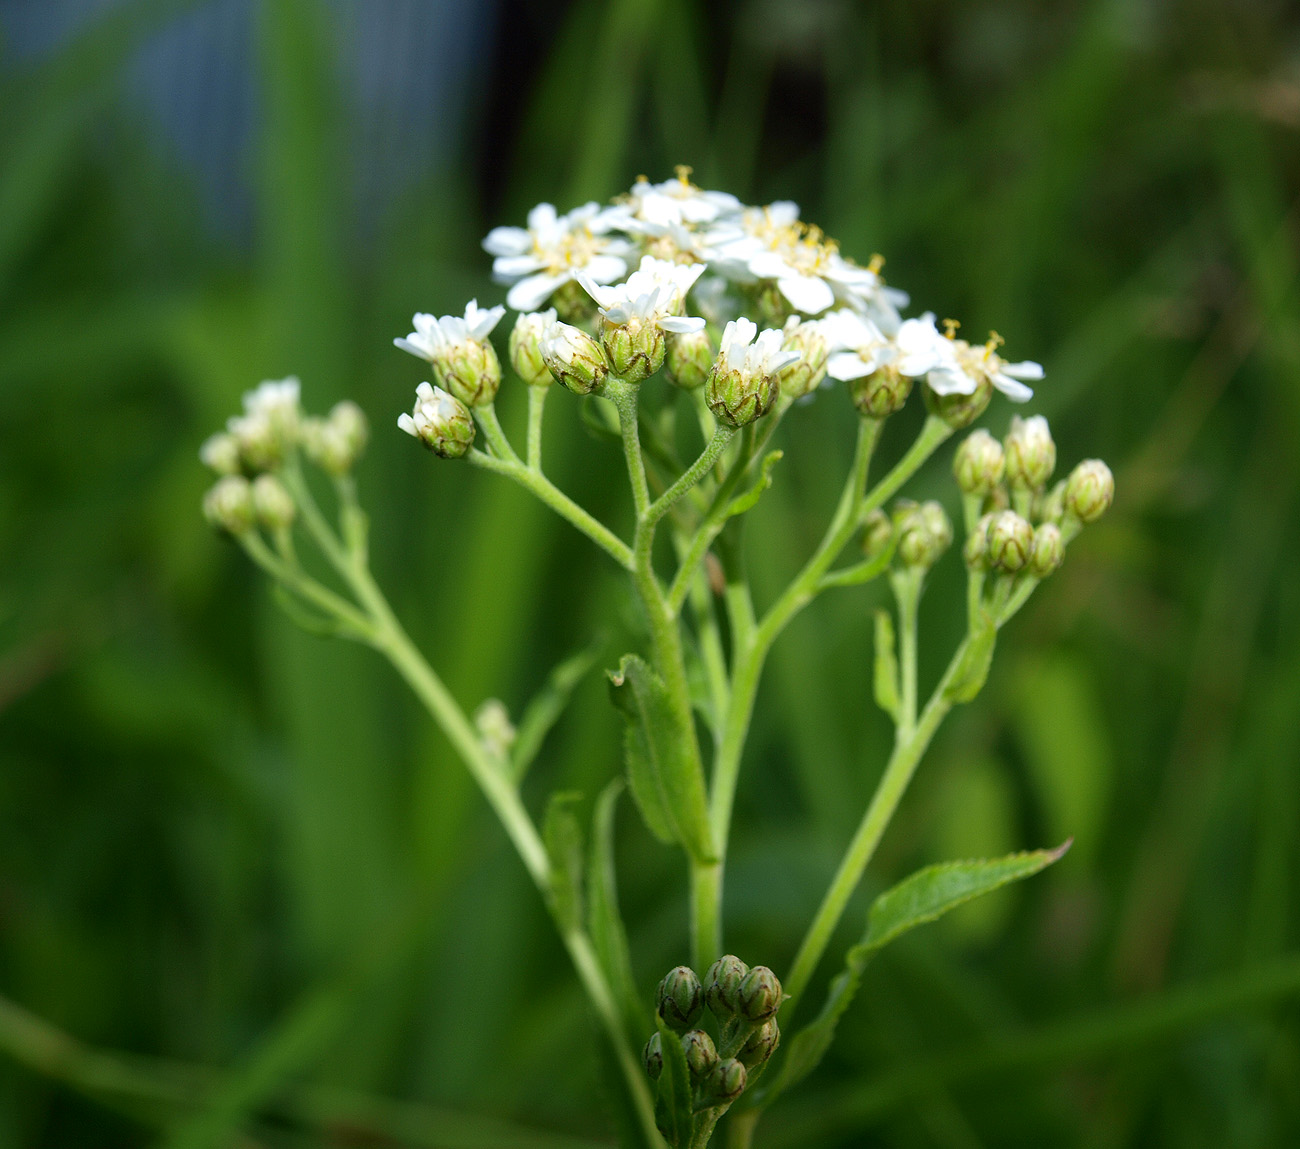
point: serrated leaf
(973, 670)
(924, 897)
(563, 837)
(604, 922)
(742, 503)
(667, 781)
(886, 672)
(674, 1110)
(541, 714)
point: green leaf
(973, 670)
(886, 676)
(541, 714)
(674, 1110)
(563, 836)
(742, 503)
(667, 782)
(924, 897)
(604, 922)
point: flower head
(743, 383)
(653, 294)
(440, 421)
(459, 350)
(269, 423)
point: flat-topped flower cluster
(670, 274)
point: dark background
(239, 865)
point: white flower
(275, 400)
(744, 348)
(434, 409)
(653, 294)
(548, 253)
(922, 348)
(676, 202)
(435, 337)
(959, 368)
(269, 422)
(857, 346)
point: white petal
(542, 217)
(944, 380)
(416, 350)
(529, 294)
(847, 365)
(606, 268)
(1026, 370)
(681, 324)
(807, 293)
(515, 266)
(507, 241)
(407, 424)
(1015, 391)
(770, 265)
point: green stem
(907, 592)
(692, 475)
(486, 415)
(536, 408)
(307, 587)
(559, 502)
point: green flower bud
(976, 550)
(761, 1044)
(876, 533)
(573, 304)
(722, 986)
(440, 421)
(689, 358)
(261, 443)
(680, 998)
(653, 1057)
(334, 444)
(349, 423)
(725, 1083)
(273, 505)
(805, 374)
(743, 382)
(228, 505)
(1048, 550)
(881, 393)
(924, 534)
(526, 347)
(221, 453)
(1011, 539)
(979, 463)
(1030, 452)
(1090, 490)
(960, 411)
(635, 349)
(574, 358)
(470, 370)
(701, 1054)
(760, 993)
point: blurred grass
(230, 845)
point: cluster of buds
(1022, 527)
(743, 1003)
(462, 355)
(923, 531)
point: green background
(239, 865)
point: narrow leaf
(541, 714)
(563, 837)
(924, 897)
(667, 781)
(674, 1110)
(886, 676)
(604, 922)
(973, 669)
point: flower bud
(738, 397)
(805, 374)
(261, 443)
(761, 1045)
(572, 303)
(726, 1082)
(976, 550)
(228, 505)
(492, 721)
(760, 993)
(959, 410)
(1011, 539)
(1030, 452)
(680, 998)
(924, 534)
(1051, 507)
(635, 349)
(882, 392)
(273, 505)
(689, 358)
(701, 1054)
(653, 1056)
(979, 463)
(470, 370)
(334, 444)
(574, 358)
(526, 347)
(1090, 490)
(876, 533)
(1048, 550)
(349, 423)
(440, 421)
(722, 986)
(221, 453)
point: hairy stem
(536, 409)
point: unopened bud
(976, 550)
(526, 347)
(492, 721)
(221, 453)
(737, 396)
(722, 986)
(805, 374)
(680, 998)
(760, 993)
(334, 444)
(470, 370)
(653, 1056)
(876, 533)
(574, 358)
(1048, 550)
(440, 421)
(261, 443)
(924, 533)
(350, 424)
(1031, 454)
(273, 505)
(228, 505)
(1010, 540)
(882, 392)
(957, 410)
(635, 349)
(689, 358)
(701, 1054)
(979, 463)
(726, 1082)
(761, 1044)
(1090, 490)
